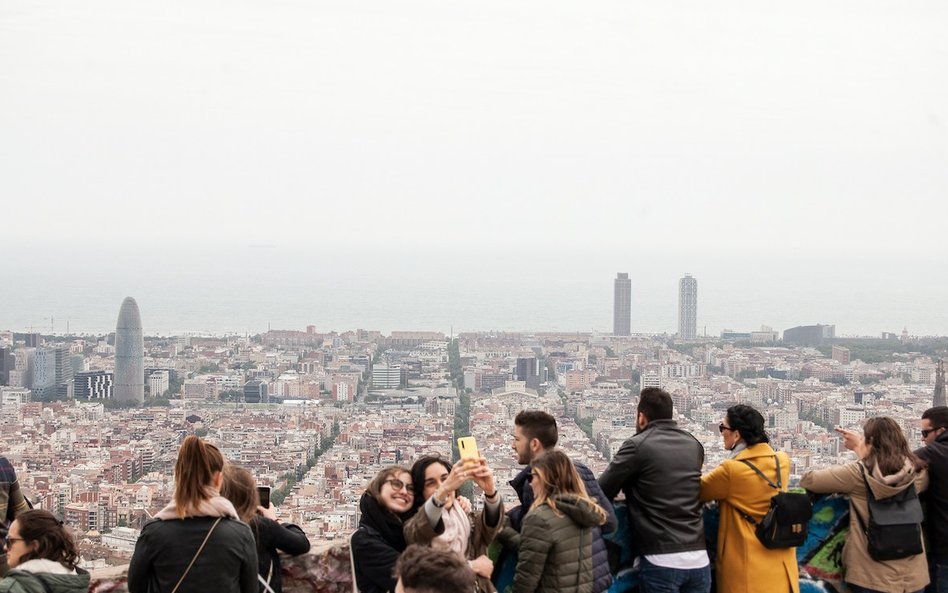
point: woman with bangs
(385, 507)
(197, 543)
(555, 544)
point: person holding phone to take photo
(271, 536)
(443, 524)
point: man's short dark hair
(427, 570)
(938, 416)
(656, 404)
(537, 424)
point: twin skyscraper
(687, 307)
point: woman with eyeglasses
(743, 564)
(197, 543)
(555, 543)
(43, 557)
(443, 524)
(376, 545)
(888, 467)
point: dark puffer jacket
(601, 573)
(556, 547)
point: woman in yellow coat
(743, 564)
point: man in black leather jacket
(659, 470)
(935, 435)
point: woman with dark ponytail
(197, 543)
(42, 556)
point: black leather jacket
(936, 520)
(227, 564)
(659, 470)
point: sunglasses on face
(399, 485)
(928, 431)
(8, 541)
(722, 428)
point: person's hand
(269, 512)
(482, 566)
(853, 441)
(464, 503)
(484, 477)
(456, 478)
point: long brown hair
(888, 447)
(52, 540)
(240, 488)
(194, 473)
(558, 476)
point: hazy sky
(690, 127)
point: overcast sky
(705, 127)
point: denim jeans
(658, 579)
(857, 589)
(938, 572)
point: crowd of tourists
(559, 532)
(417, 534)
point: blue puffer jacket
(602, 577)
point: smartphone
(467, 446)
(264, 493)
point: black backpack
(785, 524)
(895, 523)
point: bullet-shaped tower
(129, 381)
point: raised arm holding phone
(443, 524)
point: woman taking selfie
(272, 537)
(197, 543)
(42, 557)
(443, 524)
(376, 545)
(556, 540)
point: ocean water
(247, 289)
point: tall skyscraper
(940, 384)
(129, 381)
(687, 308)
(622, 306)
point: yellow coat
(743, 564)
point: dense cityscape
(93, 423)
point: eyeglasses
(399, 485)
(8, 541)
(722, 428)
(928, 431)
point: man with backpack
(934, 427)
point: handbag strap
(198, 553)
(266, 583)
(776, 486)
